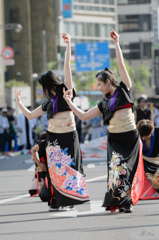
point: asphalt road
(23, 217)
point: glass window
(133, 1)
(104, 30)
(89, 29)
(67, 27)
(80, 29)
(111, 2)
(147, 50)
(97, 30)
(134, 23)
(73, 29)
(110, 27)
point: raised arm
(29, 114)
(93, 112)
(120, 60)
(67, 68)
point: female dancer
(124, 152)
(64, 156)
(150, 140)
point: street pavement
(23, 217)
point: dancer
(124, 151)
(150, 139)
(39, 157)
(64, 158)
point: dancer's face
(103, 87)
(146, 137)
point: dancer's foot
(128, 209)
(51, 209)
(121, 209)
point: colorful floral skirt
(64, 161)
(125, 170)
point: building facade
(137, 31)
(92, 21)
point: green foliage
(15, 83)
(139, 77)
(85, 81)
(52, 65)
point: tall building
(34, 16)
(92, 21)
(136, 28)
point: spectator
(4, 126)
(11, 132)
(96, 127)
(85, 130)
(44, 122)
(143, 112)
(156, 115)
(25, 128)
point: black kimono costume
(67, 184)
(124, 152)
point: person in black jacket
(143, 112)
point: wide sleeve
(100, 106)
(45, 105)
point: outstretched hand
(114, 36)
(17, 95)
(67, 95)
(66, 37)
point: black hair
(42, 136)
(50, 82)
(142, 98)
(107, 74)
(145, 127)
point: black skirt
(64, 161)
(125, 169)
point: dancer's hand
(67, 95)
(42, 166)
(66, 37)
(114, 36)
(17, 95)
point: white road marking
(91, 165)
(96, 178)
(32, 168)
(95, 159)
(96, 207)
(15, 198)
(28, 161)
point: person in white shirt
(4, 126)
(44, 122)
(25, 128)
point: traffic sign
(92, 56)
(7, 53)
(8, 62)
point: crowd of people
(59, 166)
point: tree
(139, 77)
(85, 81)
